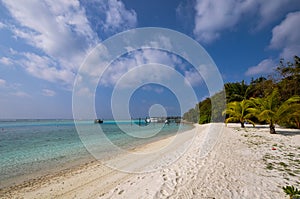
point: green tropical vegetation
(267, 100)
(193, 114)
(239, 112)
(291, 191)
(271, 110)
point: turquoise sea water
(28, 147)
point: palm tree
(238, 112)
(268, 109)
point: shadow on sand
(279, 130)
(290, 132)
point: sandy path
(241, 165)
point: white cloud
(192, 77)
(161, 42)
(59, 29)
(214, 16)
(112, 16)
(84, 91)
(12, 89)
(269, 11)
(6, 61)
(12, 51)
(45, 68)
(48, 92)
(2, 82)
(118, 18)
(2, 25)
(138, 58)
(9, 85)
(185, 11)
(286, 37)
(264, 67)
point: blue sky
(43, 43)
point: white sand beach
(244, 163)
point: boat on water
(98, 121)
(147, 120)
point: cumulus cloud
(264, 67)
(285, 39)
(269, 11)
(58, 29)
(285, 36)
(112, 16)
(63, 33)
(214, 16)
(45, 68)
(48, 92)
(118, 17)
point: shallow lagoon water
(29, 147)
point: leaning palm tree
(238, 112)
(269, 109)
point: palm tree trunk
(242, 125)
(297, 123)
(272, 128)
